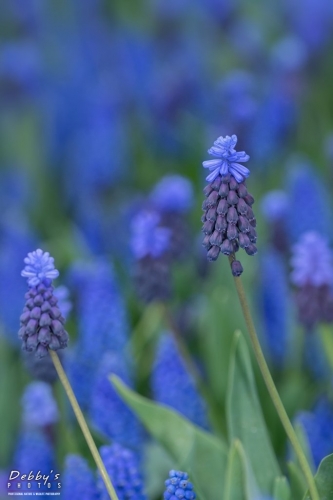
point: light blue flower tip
(228, 160)
(39, 266)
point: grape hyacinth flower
(39, 407)
(228, 221)
(178, 486)
(78, 482)
(150, 244)
(122, 466)
(172, 385)
(123, 427)
(42, 324)
(173, 197)
(318, 427)
(312, 274)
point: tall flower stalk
(42, 332)
(228, 225)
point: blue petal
(241, 169)
(212, 164)
(239, 178)
(212, 176)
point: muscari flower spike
(178, 487)
(228, 221)
(78, 480)
(38, 405)
(41, 323)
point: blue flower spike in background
(229, 222)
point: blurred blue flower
(39, 408)
(147, 237)
(178, 486)
(228, 162)
(108, 413)
(275, 205)
(173, 193)
(64, 303)
(34, 452)
(78, 481)
(312, 261)
(172, 385)
(123, 468)
(318, 427)
(289, 54)
(39, 267)
(275, 301)
(307, 196)
(237, 96)
(102, 323)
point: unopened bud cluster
(41, 323)
(178, 487)
(228, 221)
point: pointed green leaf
(297, 481)
(245, 419)
(324, 479)
(199, 453)
(239, 482)
(281, 489)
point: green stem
(84, 427)
(272, 389)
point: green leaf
(239, 482)
(297, 481)
(245, 419)
(324, 479)
(195, 451)
(281, 489)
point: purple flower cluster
(228, 221)
(122, 466)
(312, 274)
(42, 324)
(178, 487)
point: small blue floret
(39, 268)
(228, 160)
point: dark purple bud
(222, 207)
(31, 327)
(45, 320)
(232, 215)
(21, 333)
(55, 313)
(249, 199)
(213, 253)
(44, 335)
(63, 339)
(221, 224)
(31, 342)
(232, 232)
(35, 313)
(244, 240)
(207, 190)
(242, 207)
(253, 222)
(235, 245)
(226, 178)
(241, 190)
(53, 300)
(224, 190)
(55, 343)
(250, 214)
(233, 184)
(48, 295)
(46, 307)
(27, 296)
(57, 327)
(24, 318)
(251, 249)
(243, 224)
(208, 227)
(236, 268)
(232, 198)
(212, 199)
(204, 205)
(41, 288)
(211, 214)
(38, 300)
(203, 218)
(29, 303)
(216, 183)
(41, 351)
(226, 247)
(216, 238)
(206, 242)
(252, 235)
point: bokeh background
(99, 101)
